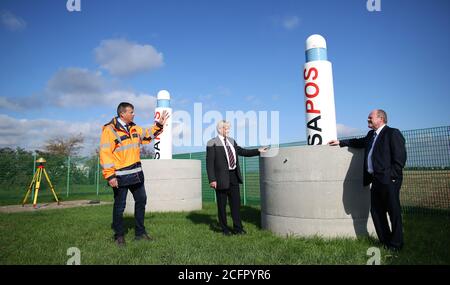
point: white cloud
(290, 22)
(11, 21)
(144, 104)
(80, 87)
(34, 133)
(77, 87)
(346, 131)
(121, 57)
(67, 88)
(76, 80)
(7, 103)
(20, 104)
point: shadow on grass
(248, 215)
(207, 219)
(251, 215)
(128, 224)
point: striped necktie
(230, 154)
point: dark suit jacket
(217, 163)
(388, 156)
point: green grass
(43, 237)
(15, 196)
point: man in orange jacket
(120, 160)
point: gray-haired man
(224, 174)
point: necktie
(127, 127)
(369, 153)
(372, 139)
(230, 154)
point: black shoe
(120, 241)
(240, 232)
(394, 248)
(144, 237)
(226, 233)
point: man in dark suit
(224, 175)
(385, 157)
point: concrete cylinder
(172, 185)
(315, 190)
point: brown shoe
(144, 237)
(120, 241)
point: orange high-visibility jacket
(120, 148)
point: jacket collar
(380, 133)
(220, 139)
(380, 129)
(118, 126)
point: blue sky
(63, 73)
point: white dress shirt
(222, 139)
(124, 125)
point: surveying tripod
(37, 182)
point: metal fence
(426, 184)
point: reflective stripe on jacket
(120, 149)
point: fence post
(68, 175)
(34, 171)
(95, 175)
(98, 172)
(34, 163)
(245, 170)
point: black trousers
(231, 194)
(385, 199)
(120, 198)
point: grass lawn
(43, 237)
(15, 196)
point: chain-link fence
(426, 183)
(70, 176)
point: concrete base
(172, 185)
(315, 190)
